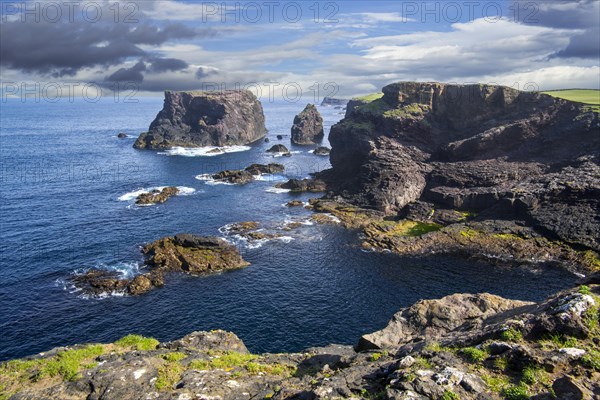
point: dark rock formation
(303, 185)
(186, 253)
(322, 151)
(122, 135)
(249, 174)
(492, 150)
(279, 148)
(463, 346)
(330, 101)
(308, 126)
(196, 119)
(279, 137)
(294, 203)
(156, 196)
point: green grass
(591, 360)
(369, 97)
(68, 363)
(168, 375)
(248, 362)
(377, 356)
(515, 393)
(530, 375)
(584, 289)
(138, 342)
(511, 335)
(449, 395)
(590, 97)
(495, 382)
(174, 356)
(474, 355)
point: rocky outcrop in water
(489, 151)
(463, 346)
(303, 185)
(248, 174)
(279, 149)
(196, 119)
(322, 151)
(308, 126)
(190, 254)
(156, 196)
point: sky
(287, 48)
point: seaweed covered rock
(308, 126)
(156, 196)
(187, 253)
(248, 174)
(205, 118)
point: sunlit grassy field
(590, 97)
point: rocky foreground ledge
(462, 346)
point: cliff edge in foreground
(204, 118)
(462, 346)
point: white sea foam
(209, 180)
(203, 151)
(131, 196)
(270, 178)
(277, 190)
(282, 154)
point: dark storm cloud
(581, 14)
(167, 64)
(202, 72)
(586, 45)
(133, 74)
(62, 48)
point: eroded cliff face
(474, 148)
(196, 119)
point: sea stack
(308, 126)
(205, 118)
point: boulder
(278, 148)
(308, 126)
(156, 196)
(322, 151)
(122, 135)
(303, 185)
(205, 118)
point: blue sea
(67, 204)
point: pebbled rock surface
(493, 151)
(183, 253)
(196, 119)
(467, 346)
(308, 126)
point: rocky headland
(205, 118)
(463, 346)
(183, 253)
(308, 126)
(477, 170)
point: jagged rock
(196, 119)
(279, 148)
(186, 253)
(157, 196)
(322, 151)
(303, 185)
(308, 126)
(294, 203)
(248, 174)
(217, 365)
(436, 318)
(481, 148)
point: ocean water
(66, 204)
